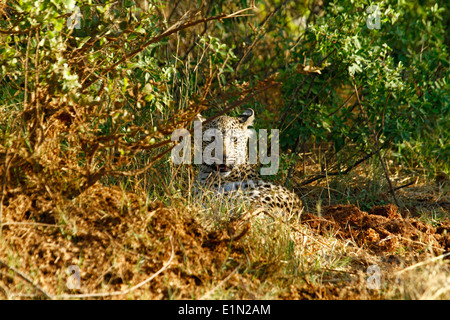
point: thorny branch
(377, 144)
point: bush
(83, 99)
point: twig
(382, 117)
(5, 175)
(243, 286)
(328, 184)
(427, 245)
(442, 256)
(25, 95)
(24, 277)
(297, 230)
(257, 38)
(405, 185)
(171, 30)
(312, 99)
(119, 293)
(241, 101)
(173, 10)
(167, 141)
(297, 143)
(206, 295)
(322, 175)
(5, 292)
(377, 145)
(291, 101)
(343, 104)
(205, 28)
(33, 224)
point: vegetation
(91, 90)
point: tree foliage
(88, 87)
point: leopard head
(225, 143)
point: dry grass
(84, 183)
(128, 247)
(147, 237)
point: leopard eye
(234, 139)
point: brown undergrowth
(381, 230)
(119, 241)
(113, 238)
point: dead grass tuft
(114, 239)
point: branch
(206, 295)
(255, 41)
(171, 30)
(119, 293)
(377, 144)
(312, 99)
(291, 101)
(405, 185)
(160, 155)
(24, 277)
(337, 173)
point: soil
(381, 230)
(107, 234)
(118, 242)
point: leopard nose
(224, 155)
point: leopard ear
(247, 117)
(200, 118)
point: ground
(119, 240)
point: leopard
(233, 176)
